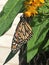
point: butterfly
(22, 34)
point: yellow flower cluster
(31, 7)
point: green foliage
(39, 33)
(40, 27)
(39, 24)
(8, 14)
(46, 47)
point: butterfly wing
(22, 34)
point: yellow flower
(30, 11)
(31, 7)
(42, 1)
(39, 1)
(27, 14)
(28, 2)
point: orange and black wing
(22, 34)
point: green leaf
(44, 9)
(42, 36)
(38, 36)
(46, 45)
(10, 10)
